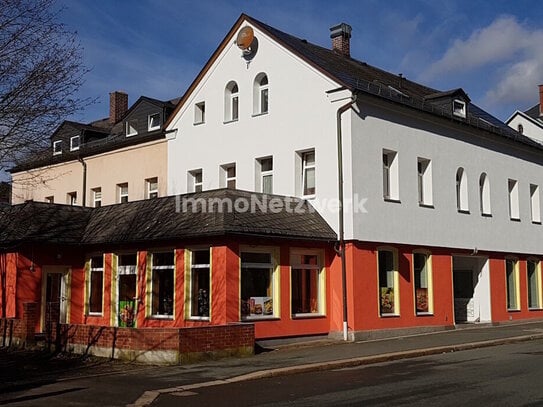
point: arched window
(260, 94)
(484, 194)
(231, 102)
(461, 191)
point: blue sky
(492, 49)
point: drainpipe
(341, 249)
(84, 164)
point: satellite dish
(245, 38)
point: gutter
(84, 197)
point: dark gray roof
(159, 220)
(533, 112)
(361, 77)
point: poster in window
(257, 307)
(387, 300)
(126, 313)
(422, 299)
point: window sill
(198, 123)
(535, 309)
(307, 316)
(389, 315)
(536, 222)
(259, 114)
(425, 205)
(167, 317)
(464, 211)
(132, 134)
(153, 128)
(309, 196)
(230, 121)
(486, 215)
(392, 200)
(425, 314)
(205, 319)
(514, 219)
(513, 310)
(257, 319)
(95, 314)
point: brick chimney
(118, 105)
(341, 39)
(540, 100)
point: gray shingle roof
(163, 219)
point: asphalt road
(509, 375)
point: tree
(41, 71)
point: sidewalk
(299, 357)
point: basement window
(459, 108)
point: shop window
(424, 173)
(162, 284)
(514, 209)
(258, 285)
(512, 284)
(422, 270)
(198, 284)
(307, 284)
(391, 177)
(462, 204)
(127, 289)
(484, 194)
(96, 285)
(535, 299)
(388, 282)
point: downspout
(341, 249)
(84, 164)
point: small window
(484, 194)
(423, 283)
(200, 113)
(50, 199)
(307, 284)
(131, 128)
(96, 285)
(195, 180)
(71, 198)
(388, 282)
(199, 278)
(231, 102)
(462, 191)
(260, 94)
(162, 284)
(533, 268)
(122, 193)
(535, 203)
(391, 178)
(424, 172)
(97, 197)
(154, 121)
(512, 284)
(514, 210)
(459, 108)
(520, 128)
(151, 187)
(258, 293)
(57, 147)
(74, 143)
(309, 185)
(264, 175)
(228, 176)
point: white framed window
(57, 147)
(462, 204)
(514, 210)
(459, 108)
(198, 284)
(264, 175)
(512, 284)
(122, 192)
(196, 180)
(151, 187)
(259, 284)
(484, 194)
(535, 296)
(200, 113)
(71, 198)
(131, 128)
(391, 175)
(161, 282)
(97, 197)
(424, 176)
(422, 277)
(49, 199)
(228, 176)
(388, 277)
(153, 121)
(231, 102)
(307, 282)
(96, 285)
(260, 94)
(309, 182)
(535, 206)
(74, 143)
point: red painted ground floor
(284, 287)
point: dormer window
(154, 121)
(131, 128)
(459, 108)
(57, 147)
(74, 143)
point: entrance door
(471, 280)
(54, 307)
(127, 300)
